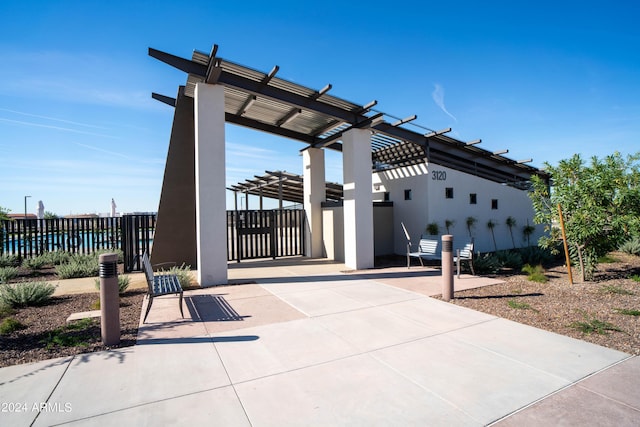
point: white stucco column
(358, 204)
(314, 195)
(211, 222)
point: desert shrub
(486, 264)
(79, 266)
(615, 290)
(6, 311)
(96, 254)
(535, 273)
(7, 260)
(184, 274)
(35, 263)
(75, 334)
(56, 257)
(607, 259)
(509, 259)
(631, 246)
(592, 324)
(7, 273)
(535, 255)
(627, 312)
(26, 293)
(9, 325)
(123, 283)
(518, 305)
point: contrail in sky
(92, 147)
(51, 118)
(20, 122)
(438, 98)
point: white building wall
(412, 212)
(429, 204)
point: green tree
(600, 203)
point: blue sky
(78, 125)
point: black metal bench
(160, 284)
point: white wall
(427, 184)
(333, 232)
(413, 213)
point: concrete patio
(303, 343)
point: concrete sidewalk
(319, 347)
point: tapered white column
(358, 204)
(314, 195)
(211, 225)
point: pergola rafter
(265, 102)
(285, 185)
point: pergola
(283, 186)
(262, 101)
(219, 91)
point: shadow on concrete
(280, 262)
(355, 275)
(198, 340)
(37, 369)
(212, 308)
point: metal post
(447, 267)
(109, 299)
(25, 206)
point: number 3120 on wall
(438, 175)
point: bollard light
(109, 299)
(447, 267)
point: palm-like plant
(491, 224)
(433, 228)
(527, 231)
(471, 222)
(448, 224)
(511, 222)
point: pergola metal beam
(163, 98)
(283, 185)
(181, 64)
(265, 127)
(309, 114)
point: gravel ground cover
(45, 333)
(605, 311)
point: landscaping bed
(605, 311)
(47, 335)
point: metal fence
(28, 238)
(250, 234)
(265, 234)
